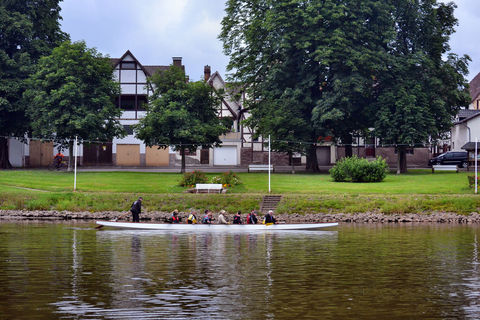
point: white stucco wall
(460, 133)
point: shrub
(227, 179)
(356, 169)
(191, 178)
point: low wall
(435, 217)
(419, 158)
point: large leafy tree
(181, 114)
(72, 95)
(420, 90)
(307, 65)
(29, 30)
(334, 67)
(271, 52)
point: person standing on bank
(136, 209)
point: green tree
(181, 114)
(307, 67)
(334, 67)
(420, 91)
(72, 95)
(29, 30)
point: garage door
(323, 156)
(155, 157)
(128, 154)
(41, 153)
(225, 156)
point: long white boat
(214, 227)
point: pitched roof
(154, 69)
(149, 70)
(470, 146)
(216, 74)
(475, 87)
(465, 115)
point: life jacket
(174, 219)
(237, 220)
(192, 219)
(249, 219)
(269, 220)
(206, 220)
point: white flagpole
(476, 172)
(75, 173)
(269, 189)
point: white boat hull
(214, 227)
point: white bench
(444, 168)
(208, 188)
(259, 167)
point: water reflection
(63, 270)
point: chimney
(206, 72)
(177, 61)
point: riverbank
(155, 216)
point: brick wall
(248, 156)
(419, 158)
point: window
(127, 103)
(128, 129)
(128, 65)
(141, 102)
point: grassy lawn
(419, 191)
(415, 182)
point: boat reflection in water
(200, 275)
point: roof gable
(128, 56)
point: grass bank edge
(290, 203)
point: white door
(225, 156)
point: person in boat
(237, 219)
(192, 217)
(207, 219)
(221, 217)
(252, 218)
(269, 218)
(174, 218)
(136, 209)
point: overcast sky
(157, 30)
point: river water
(70, 270)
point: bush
(191, 178)
(227, 179)
(356, 169)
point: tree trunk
(348, 141)
(312, 162)
(182, 152)
(4, 161)
(70, 156)
(401, 160)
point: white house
(466, 127)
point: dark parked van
(459, 158)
